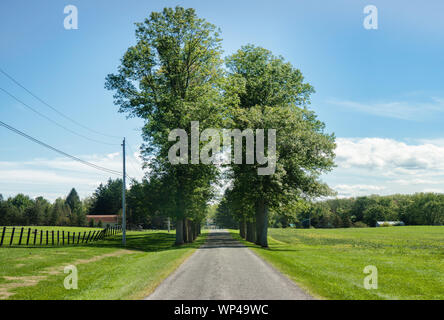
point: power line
(53, 121)
(131, 159)
(53, 108)
(59, 151)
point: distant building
(389, 223)
(107, 220)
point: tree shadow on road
(275, 247)
(147, 241)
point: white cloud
(389, 154)
(54, 177)
(387, 166)
(356, 189)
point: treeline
(416, 209)
(141, 203)
(22, 210)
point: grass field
(106, 270)
(329, 263)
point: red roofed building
(107, 220)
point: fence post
(21, 235)
(87, 238)
(58, 237)
(41, 236)
(3, 236)
(12, 236)
(78, 238)
(83, 238)
(63, 237)
(47, 236)
(29, 233)
(35, 235)
(73, 238)
(68, 237)
(52, 237)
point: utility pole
(123, 197)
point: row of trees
(22, 210)
(142, 207)
(174, 75)
(416, 209)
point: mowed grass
(329, 263)
(106, 270)
(17, 231)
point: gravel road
(225, 269)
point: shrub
(91, 223)
(99, 224)
(359, 224)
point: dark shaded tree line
(22, 210)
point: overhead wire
(53, 108)
(59, 151)
(53, 121)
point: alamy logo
(71, 21)
(70, 281)
(371, 20)
(371, 281)
(178, 153)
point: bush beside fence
(17, 236)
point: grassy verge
(329, 263)
(106, 270)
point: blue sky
(380, 91)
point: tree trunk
(242, 228)
(190, 233)
(185, 230)
(248, 235)
(261, 223)
(251, 232)
(193, 231)
(179, 232)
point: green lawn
(106, 270)
(329, 263)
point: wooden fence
(28, 236)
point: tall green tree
(169, 78)
(107, 199)
(77, 216)
(271, 94)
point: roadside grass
(329, 263)
(39, 228)
(106, 269)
